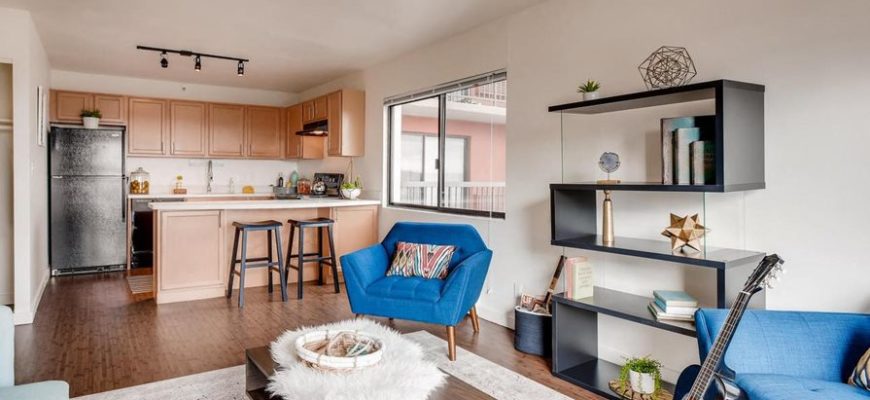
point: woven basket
(311, 348)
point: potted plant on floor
(589, 89)
(91, 118)
(643, 374)
(351, 190)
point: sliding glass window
(447, 147)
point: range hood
(316, 128)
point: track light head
(241, 69)
(163, 61)
(197, 64)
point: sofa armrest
(47, 390)
(362, 267)
(465, 282)
(7, 347)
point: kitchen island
(193, 240)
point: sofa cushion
(784, 387)
(861, 375)
(413, 288)
(423, 260)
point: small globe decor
(609, 163)
(339, 350)
(669, 66)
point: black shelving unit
(738, 137)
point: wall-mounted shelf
(658, 187)
(626, 306)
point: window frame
(440, 93)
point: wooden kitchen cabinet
(263, 132)
(226, 126)
(346, 123)
(321, 108)
(68, 106)
(180, 272)
(147, 128)
(188, 128)
(112, 107)
(305, 147)
(355, 228)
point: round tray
(320, 360)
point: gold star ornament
(685, 233)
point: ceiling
(293, 45)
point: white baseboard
(503, 318)
(21, 317)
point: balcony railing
(481, 196)
(488, 95)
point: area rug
(402, 373)
(229, 383)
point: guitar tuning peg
(769, 285)
(775, 277)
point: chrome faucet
(210, 178)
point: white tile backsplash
(258, 173)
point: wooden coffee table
(259, 367)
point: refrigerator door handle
(124, 180)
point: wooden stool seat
(273, 229)
(302, 257)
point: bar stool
(272, 228)
(318, 257)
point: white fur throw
(402, 373)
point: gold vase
(607, 220)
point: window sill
(476, 215)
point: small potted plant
(589, 89)
(351, 190)
(643, 374)
(91, 118)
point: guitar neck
(714, 357)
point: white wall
(257, 173)
(6, 259)
(812, 58)
(20, 45)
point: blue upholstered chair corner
(48, 390)
(443, 302)
(786, 355)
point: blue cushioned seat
(778, 355)
(438, 301)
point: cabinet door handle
(161, 146)
(240, 149)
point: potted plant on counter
(351, 190)
(643, 374)
(589, 89)
(91, 118)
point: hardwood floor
(91, 332)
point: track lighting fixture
(197, 58)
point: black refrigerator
(87, 195)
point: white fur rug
(402, 373)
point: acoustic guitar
(701, 377)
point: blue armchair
(49, 390)
(436, 301)
(787, 355)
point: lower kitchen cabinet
(355, 228)
(190, 255)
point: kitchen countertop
(328, 202)
(194, 195)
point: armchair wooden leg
(475, 323)
(451, 343)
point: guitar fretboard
(714, 357)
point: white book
(683, 137)
(661, 314)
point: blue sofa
(436, 301)
(788, 355)
(48, 390)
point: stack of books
(673, 305)
(687, 157)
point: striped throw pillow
(860, 375)
(423, 260)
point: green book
(702, 155)
(683, 137)
(668, 127)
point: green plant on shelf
(91, 113)
(356, 184)
(589, 87)
(643, 365)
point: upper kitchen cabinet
(263, 132)
(112, 107)
(346, 123)
(147, 128)
(305, 147)
(226, 130)
(67, 107)
(315, 110)
(188, 128)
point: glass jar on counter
(140, 181)
(303, 186)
